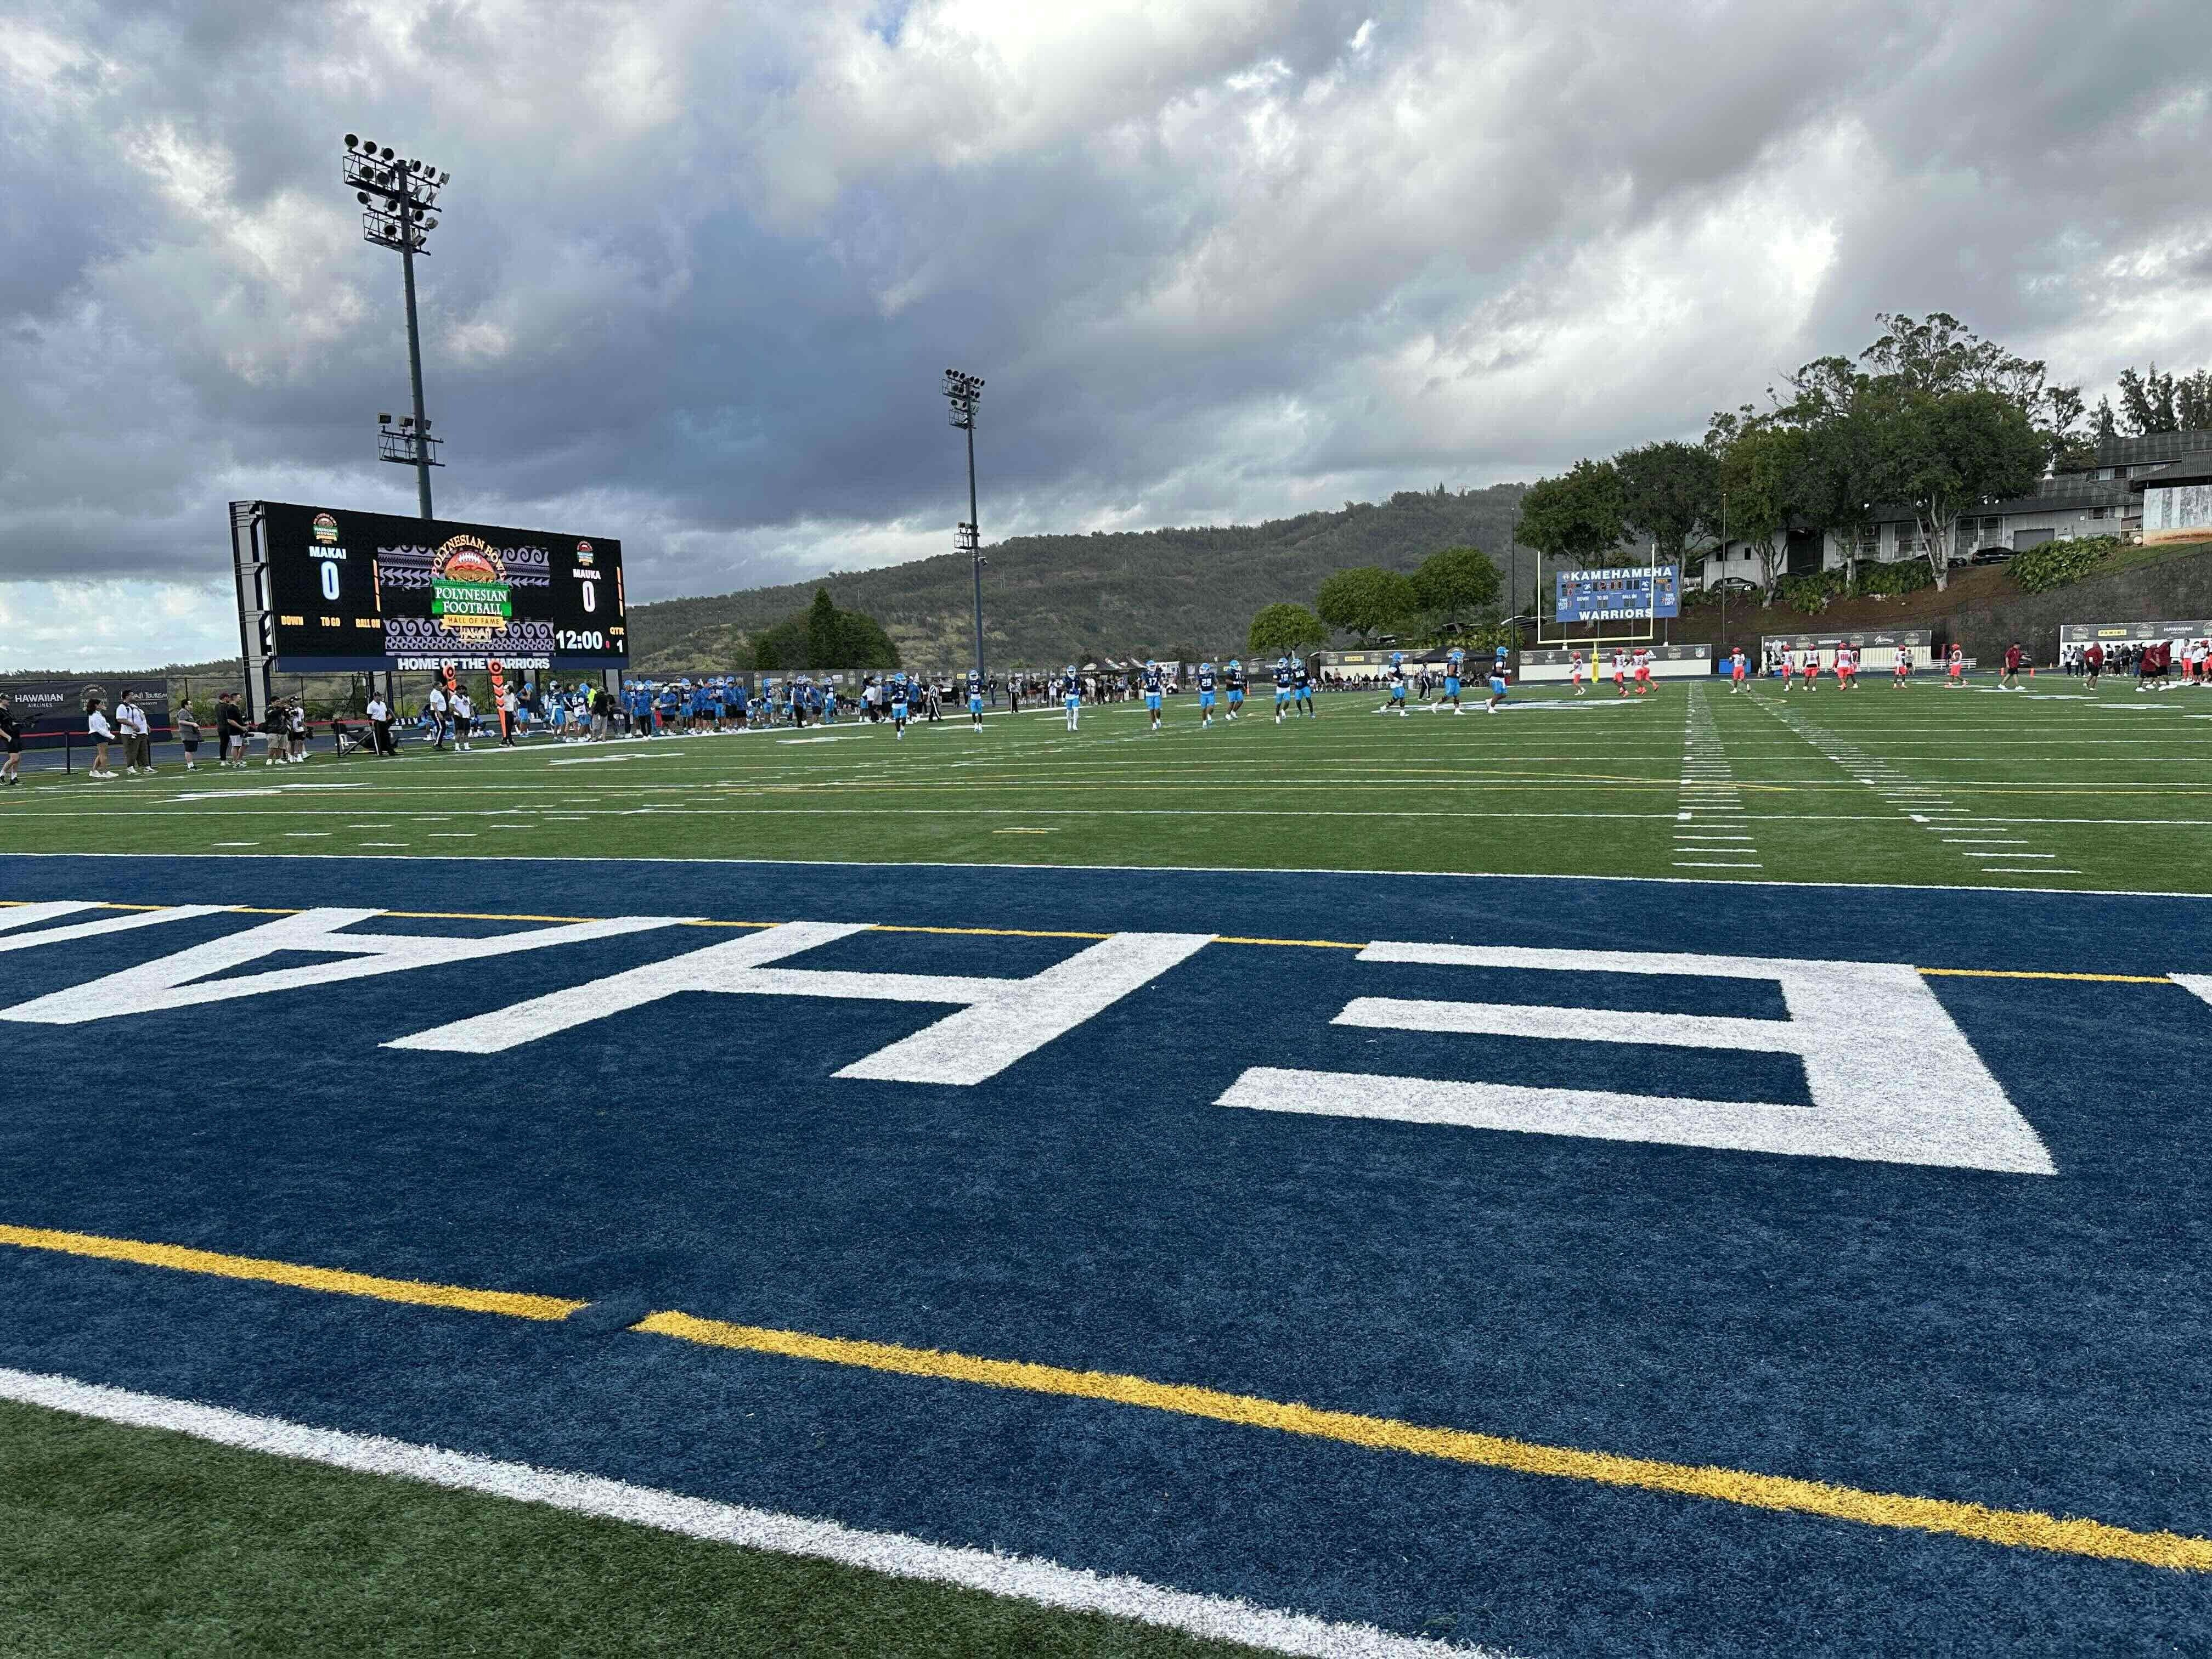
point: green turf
(2107, 791)
(123, 1541)
(138, 1541)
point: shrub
(1905, 576)
(1806, 594)
(2055, 564)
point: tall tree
(1454, 580)
(1365, 600)
(1580, 516)
(1951, 452)
(1937, 355)
(1285, 630)
(2152, 401)
(1670, 492)
(1766, 469)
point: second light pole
(963, 392)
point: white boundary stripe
(1158, 869)
(1044, 1582)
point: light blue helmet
(1236, 662)
(1282, 662)
(1397, 657)
(1501, 653)
(1149, 663)
(1071, 671)
(1206, 668)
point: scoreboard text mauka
(349, 591)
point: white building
(2104, 494)
(2177, 499)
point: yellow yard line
(2018, 1528)
(514, 1304)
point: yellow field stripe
(2022, 973)
(514, 1304)
(1040, 932)
(2020, 1528)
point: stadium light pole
(398, 201)
(963, 392)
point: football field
(1704, 1175)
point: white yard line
(1046, 1584)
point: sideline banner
(49, 707)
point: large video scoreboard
(345, 591)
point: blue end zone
(2023, 1341)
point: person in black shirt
(230, 729)
(11, 741)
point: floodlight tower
(964, 391)
(399, 198)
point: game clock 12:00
(353, 591)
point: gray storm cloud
(1219, 259)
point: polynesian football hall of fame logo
(469, 588)
(327, 529)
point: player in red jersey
(1620, 670)
(1958, 668)
(1574, 673)
(1901, 670)
(1812, 669)
(1642, 660)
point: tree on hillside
(1365, 600)
(1952, 454)
(1285, 630)
(1580, 516)
(1763, 467)
(823, 636)
(1670, 492)
(1937, 355)
(1455, 581)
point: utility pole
(399, 198)
(964, 391)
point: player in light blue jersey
(1154, 685)
(1071, 695)
(1398, 682)
(1454, 663)
(1205, 696)
(1301, 687)
(976, 699)
(898, 705)
(1497, 682)
(1233, 683)
(1283, 678)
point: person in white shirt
(102, 734)
(464, 715)
(379, 726)
(437, 715)
(295, 732)
(137, 749)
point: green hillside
(1047, 599)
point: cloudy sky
(1219, 259)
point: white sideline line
(1045, 1583)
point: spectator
(379, 726)
(229, 730)
(2011, 682)
(137, 736)
(275, 726)
(436, 706)
(11, 744)
(102, 734)
(189, 734)
(295, 732)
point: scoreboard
(1636, 593)
(349, 591)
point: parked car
(1732, 585)
(1990, 556)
